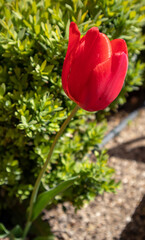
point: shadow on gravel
(135, 230)
(132, 150)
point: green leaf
(3, 231)
(17, 231)
(3, 23)
(18, 15)
(2, 89)
(45, 198)
(41, 229)
(37, 29)
(24, 121)
(27, 24)
(48, 69)
(67, 29)
(21, 34)
(68, 7)
(43, 65)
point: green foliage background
(33, 44)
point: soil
(119, 216)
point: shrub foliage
(33, 44)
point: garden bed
(119, 216)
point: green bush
(33, 44)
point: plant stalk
(38, 181)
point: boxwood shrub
(33, 105)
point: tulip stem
(38, 181)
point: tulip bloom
(94, 68)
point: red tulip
(94, 68)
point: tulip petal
(94, 49)
(78, 74)
(97, 48)
(118, 73)
(91, 99)
(65, 74)
(105, 83)
(118, 46)
(94, 68)
(74, 38)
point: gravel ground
(119, 216)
